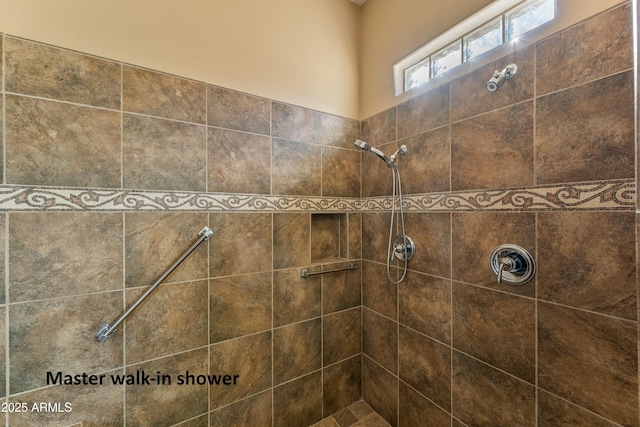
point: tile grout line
(6, 296)
(6, 231)
(124, 304)
(272, 386)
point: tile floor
(358, 414)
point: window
(496, 24)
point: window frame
(455, 34)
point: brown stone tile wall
(449, 344)
(236, 305)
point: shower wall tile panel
(255, 409)
(48, 72)
(604, 280)
(424, 304)
(243, 243)
(295, 298)
(251, 358)
(496, 328)
(240, 305)
(153, 241)
(507, 161)
(2, 38)
(414, 409)
(380, 340)
(291, 237)
(339, 132)
(485, 396)
(239, 111)
(376, 292)
(378, 178)
(58, 244)
(521, 354)
(477, 234)
(581, 351)
(433, 230)
(380, 390)
(298, 403)
(554, 411)
(586, 133)
(341, 384)
(163, 154)
(340, 172)
(238, 162)
(2, 133)
(173, 321)
(296, 123)
(341, 291)
(425, 365)
(3, 351)
(341, 334)
(469, 98)
(297, 350)
(381, 128)
(85, 398)
(296, 168)
(354, 244)
(163, 95)
(61, 144)
(375, 226)
(595, 48)
(428, 168)
(158, 404)
(59, 326)
(153, 151)
(424, 112)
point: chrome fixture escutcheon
(403, 247)
(512, 264)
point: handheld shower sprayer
(390, 161)
(402, 248)
(500, 76)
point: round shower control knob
(512, 264)
(403, 247)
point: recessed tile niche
(329, 237)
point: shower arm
(106, 330)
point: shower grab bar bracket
(306, 273)
(106, 330)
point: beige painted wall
(304, 52)
(392, 29)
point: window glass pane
(483, 39)
(530, 15)
(416, 75)
(446, 59)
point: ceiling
(358, 2)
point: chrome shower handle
(512, 264)
(506, 264)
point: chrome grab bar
(306, 273)
(106, 330)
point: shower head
(390, 161)
(366, 147)
(500, 76)
(363, 145)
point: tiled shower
(110, 170)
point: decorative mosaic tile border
(616, 195)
